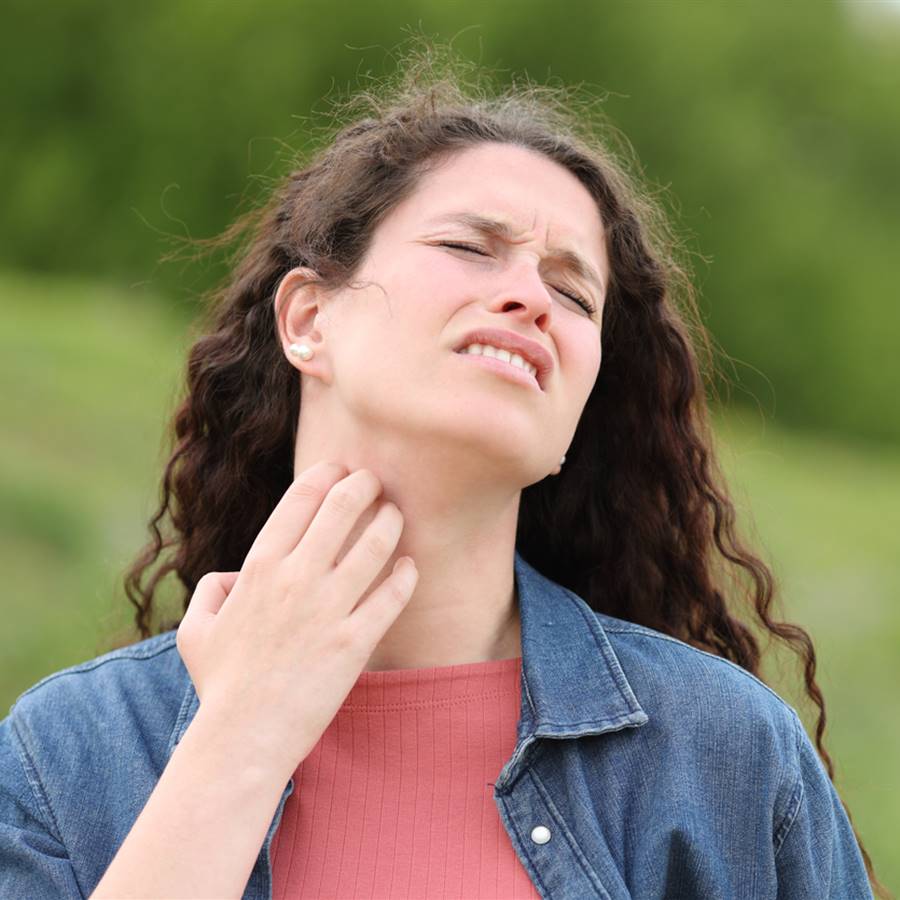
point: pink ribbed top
(396, 799)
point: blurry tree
(771, 130)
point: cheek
(598, 358)
(431, 309)
(447, 278)
(582, 353)
(431, 280)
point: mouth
(502, 368)
(505, 344)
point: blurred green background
(770, 132)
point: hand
(275, 648)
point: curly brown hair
(635, 520)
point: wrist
(254, 750)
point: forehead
(529, 190)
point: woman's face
(391, 345)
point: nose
(525, 293)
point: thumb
(209, 595)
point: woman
(453, 628)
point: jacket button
(540, 834)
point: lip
(530, 350)
(520, 376)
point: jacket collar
(572, 681)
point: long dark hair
(639, 522)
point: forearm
(201, 830)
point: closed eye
(474, 249)
(584, 304)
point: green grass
(825, 517)
(89, 374)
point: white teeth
(505, 355)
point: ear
(297, 304)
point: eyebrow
(501, 229)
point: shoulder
(135, 690)
(683, 687)
(80, 753)
(153, 661)
(719, 727)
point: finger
(288, 522)
(368, 556)
(337, 517)
(375, 615)
(210, 593)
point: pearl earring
(301, 350)
(562, 461)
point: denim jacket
(643, 768)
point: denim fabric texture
(644, 768)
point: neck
(459, 528)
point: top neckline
(431, 685)
(485, 666)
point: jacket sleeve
(33, 861)
(816, 853)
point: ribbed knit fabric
(396, 799)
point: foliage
(770, 130)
